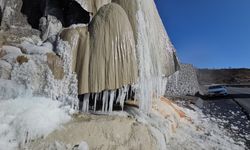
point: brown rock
(22, 59)
(56, 65)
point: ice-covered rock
(93, 5)
(5, 70)
(184, 82)
(10, 53)
(33, 49)
(11, 49)
(47, 74)
(50, 26)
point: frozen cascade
(155, 54)
(151, 67)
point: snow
(5, 69)
(194, 131)
(10, 89)
(11, 53)
(11, 49)
(31, 48)
(28, 118)
(83, 146)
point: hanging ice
(106, 56)
(155, 53)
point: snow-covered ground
(28, 118)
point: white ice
(28, 118)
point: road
(242, 96)
(230, 112)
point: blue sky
(209, 33)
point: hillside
(223, 76)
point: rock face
(184, 82)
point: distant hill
(223, 76)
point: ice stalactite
(104, 56)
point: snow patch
(29, 118)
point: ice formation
(155, 53)
(155, 61)
(93, 5)
(123, 46)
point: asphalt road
(242, 96)
(231, 112)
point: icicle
(96, 96)
(85, 107)
(123, 96)
(107, 102)
(104, 100)
(111, 101)
(119, 96)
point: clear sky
(209, 33)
